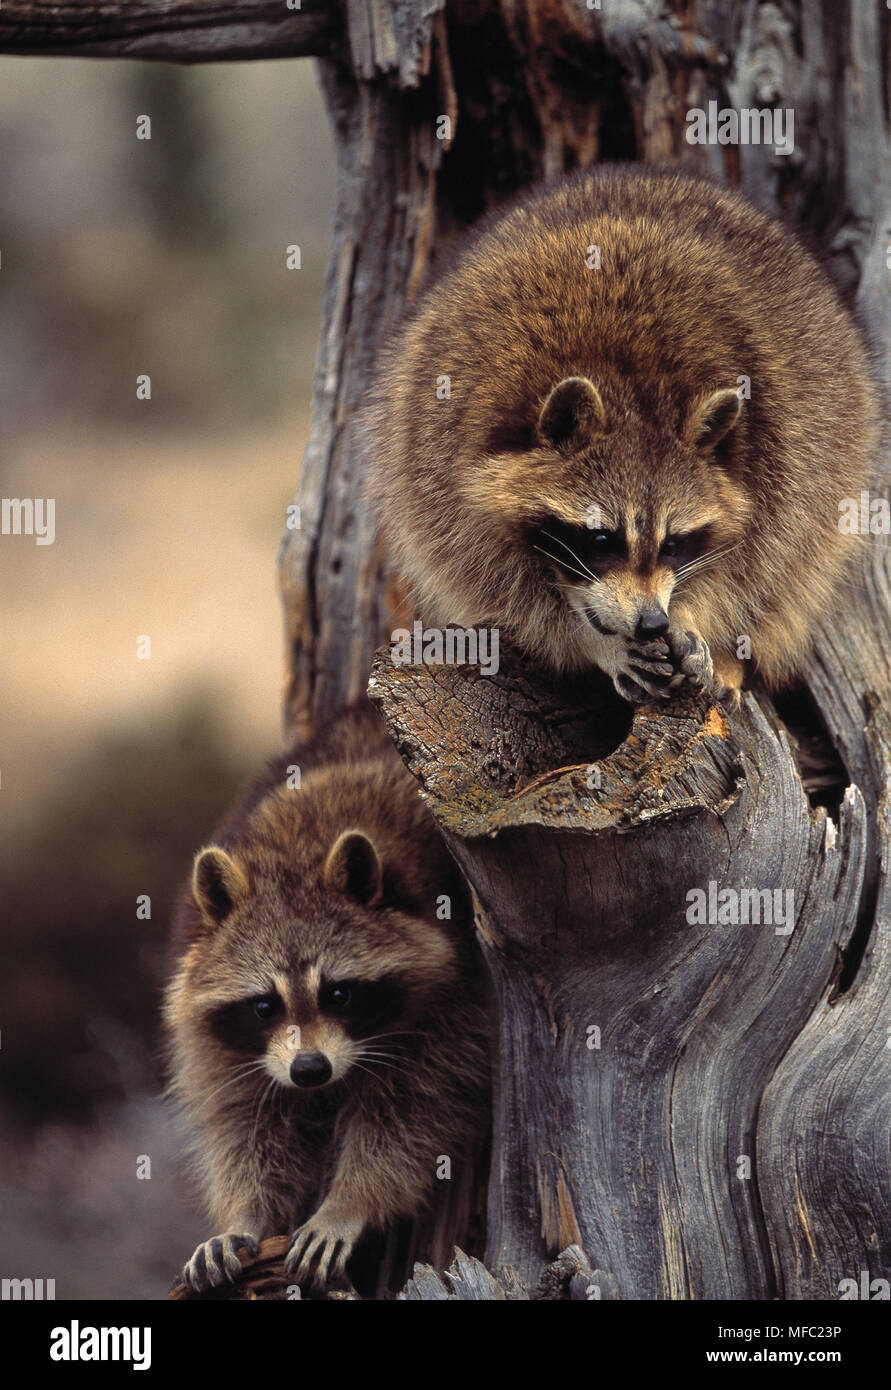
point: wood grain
(185, 31)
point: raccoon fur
(619, 426)
(326, 1025)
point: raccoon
(327, 1023)
(619, 426)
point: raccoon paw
(694, 662)
(321, 1247)
(216, 1261)
(647, 672)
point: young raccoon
(327, 1031)
(619, 426)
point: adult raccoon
(619, 426)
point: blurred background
(121, 257)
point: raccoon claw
(320, 1249)
(647, 674)
(216, 1262)
(631, 691)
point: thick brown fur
(696, 289)
(336, 881)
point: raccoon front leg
(251, 1194)
(235, 1209)
(372, 1186)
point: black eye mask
(578, 552)
(244, 1024)
(363, 1006)
(680, 549)
(582, 555)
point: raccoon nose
(310, 1069)
(652, 622)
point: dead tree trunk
(704, 1111)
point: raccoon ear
(353, 866)
(217, 883)
(572, 412)
(712, 417)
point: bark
(658, 1143)
(186, 31)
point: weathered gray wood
(632, 1149)
(825, 1129)
(331, 575)
(569, 1276)
(184, 31)
(465, 1280)
(825, 1136)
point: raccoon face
(307, 1002)
(648, 531)
(310, 1031)
(621, 581)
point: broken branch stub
(521, 773)
(661, 912)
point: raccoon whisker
(382, 1060)
(578, 614)
(703, 561)
(582, 620)
(708, 555)
(384, 1071)
(578, 559)
(404, 1033)
(562, 563)
(695, 568)
(568, 588)
(382, 1057)
(368, 1070)
(265, 1095)
(691, 574)
(679, 584)
(691, 565)
(241, 1073)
